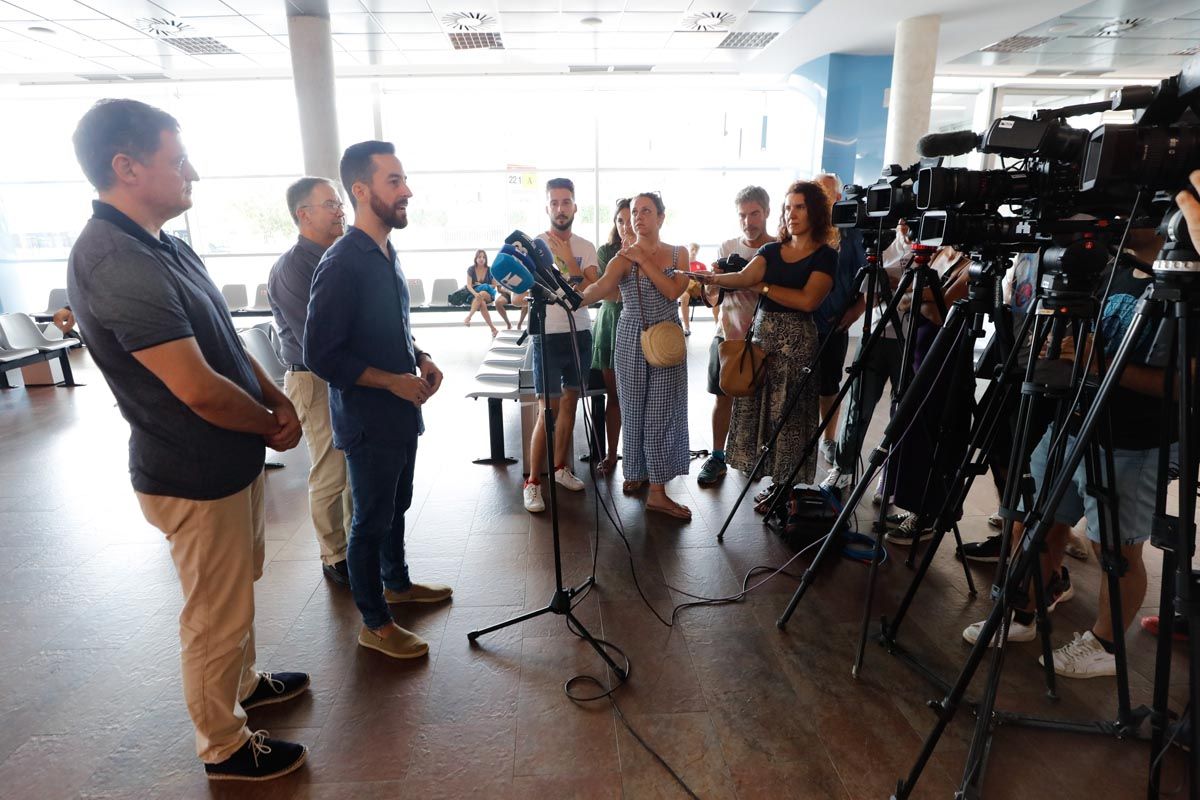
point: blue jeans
(381, 484)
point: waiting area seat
(258, 345)
(442, 287)
(235, 296)
(416, 292)
(19, 332)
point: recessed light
(41, 29)
(1061, 27)
(593, 21)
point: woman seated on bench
(484, 289)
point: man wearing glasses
(316, 207)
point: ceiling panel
(527, 22)
(220, 27)
(104, 28)
(191, 8)
(353, 23)
(10, 12)
(421, 41)
(408, 23)
(57, 9)
(646, 21)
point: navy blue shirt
(851, 257)
(358, 317)
(131, 291)
(793, 275)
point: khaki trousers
(217, 547)
(328, 490)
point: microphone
(511, 273)
(540, 262)
(954, 143)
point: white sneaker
(1084, 657)
(835, 480)
(533, 497)
(829, 451)
(567, 479)
(1016, 632)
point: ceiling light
(1061, 27)
(41, 29)
(593, 21)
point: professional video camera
(882, 204)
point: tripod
(1176, 300)
(560, 601)
(911, 395)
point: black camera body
(731, 263)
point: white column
(312, 75)
(911, 93)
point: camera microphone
(955, 143)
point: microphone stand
(561, 600)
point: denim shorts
(1136, 486)
(561, 350)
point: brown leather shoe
(419, 593)
(400, 644)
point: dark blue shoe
(276, 687)
(259, 759)
(339, 573)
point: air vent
(1188, 51)
(469, 21)
(162, 27)
(199, 45)
(1017, 44)
(589, 68)
(633, 67)
(709, 21)
(747, 41)
(109, 77)
(476, 41)
(1117, 28)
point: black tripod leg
(958, 543)
(583, 633)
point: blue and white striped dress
(653, 400)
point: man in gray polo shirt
(317, 210)
(199, 411)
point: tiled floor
(90, 705)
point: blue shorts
(561, 350)
(1136, 487)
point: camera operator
(1136, 403)
(832, 323)
(735, 312)
(882, 366)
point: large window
(478, 151)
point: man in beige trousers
(316, 208)
(200, 411)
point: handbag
(743, 364)
(663, 343)
(462, 297)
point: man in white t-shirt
(734, 317)
(568, 354)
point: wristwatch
(766, 289)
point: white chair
(416, 292)
(21, 333)
(259, 346)
(13, 360)
(261, 303)
(235, 296)
(442, 287)
(57, 300)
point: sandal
(607, 464)
(629, 487)
(766, 493)
(673, 510)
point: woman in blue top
(484, 289)
(792, 276)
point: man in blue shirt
(833, 319)
(358, 338)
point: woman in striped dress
(653, 399)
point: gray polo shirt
(131, 292)
(287, 290)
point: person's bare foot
(608, 464)
(629, 487)
(660, 502)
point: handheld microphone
(955, 143)
(511, 273)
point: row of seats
(237, 298)
(22, 344)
